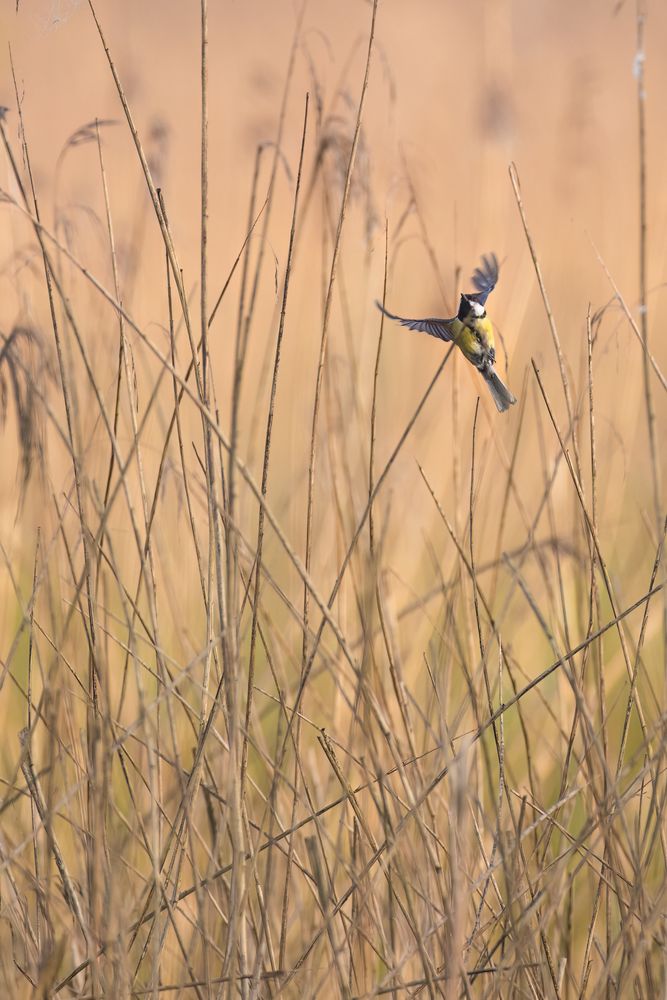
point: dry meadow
(318, 676)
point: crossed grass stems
(232, 574)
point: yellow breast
(475, 339)
(485, 329)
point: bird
(471, 329)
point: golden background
(456, 94)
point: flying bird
(471, 329)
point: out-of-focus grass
(451, 781)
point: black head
(470, 308)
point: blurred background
(456, 95)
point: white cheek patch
(477, 309)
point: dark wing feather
(485, 278)
(440, 328)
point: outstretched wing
(485, 278)
(440, 328)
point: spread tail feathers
(502, 397)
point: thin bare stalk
(640, 62)
(325, 328)
(376, 372)
(267, 454)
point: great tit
(471, 329)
